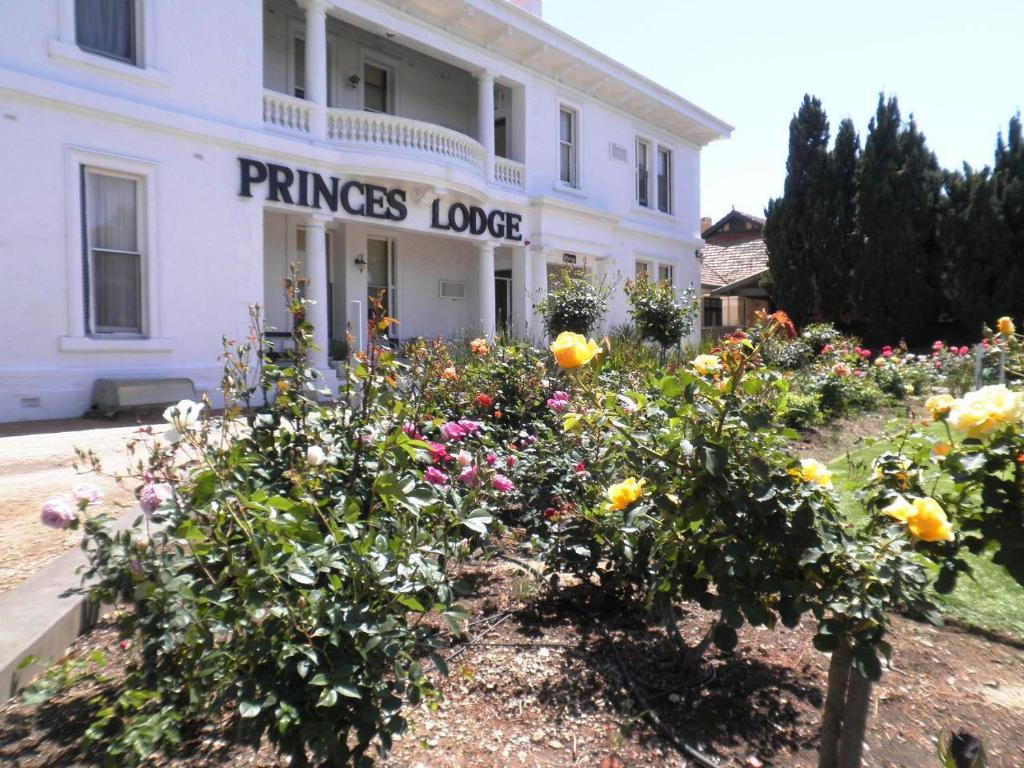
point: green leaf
(411, 603)
(328, 698)
(249, 709)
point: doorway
(503, 300)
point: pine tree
(792, 231)
(898, 272)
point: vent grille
(452, 289)
(617, 152)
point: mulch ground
(539, 685)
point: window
(380, 275)
(375, 88)
(712, 312)
(299, 68)
(113, 259)
(665, 273)
(107, 27)
(568, 146)
(664, 180)
(500, 137)
(643, 173)
(642, 268)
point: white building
(165, 161)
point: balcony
(353, 128)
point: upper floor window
(643, 174)
(113, 252)
(568, 146)
(108, 27)
(375, 88)
(664, 180)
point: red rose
(484, 401)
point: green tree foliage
(835, 263)
(793, 230)
(898, 201)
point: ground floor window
(665, 273)
(113, 263)
(712, 312)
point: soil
(539, 685)
(36, 462)
(845, 434)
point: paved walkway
(35, 463)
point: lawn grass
(988, 599)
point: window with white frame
(297, 78)
(642, 268)
(664, 180)
(568, 146)
(643, 173)
(114, 262)
(665, 273)
(382, 276)
(108, 28)
(376, 88)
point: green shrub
(803, 410)
(820, 334)
(574, 303)
(659, 315)
(787, 354)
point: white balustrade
(509, 172)
(352, 126)
(283, 111)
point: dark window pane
(375, 88)
(117, 284)
(106, 27)
(299, 90)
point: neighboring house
(733, 264)
(167, 162)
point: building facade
(733, 266)
(166, 163)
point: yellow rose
(985, 410)
(939, 405)
(901, 509)
(879, 362)
(625, 493)
(571, 350)
(705, 364)
(1005, 326)
(929, 521)
(813, 471)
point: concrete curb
(43, 615)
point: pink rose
(471, 427)
(580, 468)
(410, 429)
(464, 458)
(153, 495)
(435, 476)
(502, 483)
(469, 475)
(887, 353)
(828, 349)
(557, 405)
(86, 493)
(938, 346)
(58, 512)
(963, 352)
(510, 461)
(453, 431)
(859, 373)
(491, 459)
(437, 451)
(866, 354)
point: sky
(956, 65)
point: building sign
(309, 189)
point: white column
(485, 116)
(485, 289)
(67, 21)
(316, 64)
(522, 288)
(316, 290)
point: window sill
(653, 212)
(94, 344)
(565, 189)
(72, 54)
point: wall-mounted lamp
(353, 81)
(361, 262)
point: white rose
(315, 456)
(183, 418)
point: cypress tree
(792, 231)
(1008, 179)
(898, 270)
(841, 238)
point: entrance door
(502, 302)
(381, 277)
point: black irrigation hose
(634, 687)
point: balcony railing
(283, 111)
(373, 129)
(509, 172)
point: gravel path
(35, 463)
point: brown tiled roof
(724, 264)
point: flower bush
(573, 303)
(660, 316)
(299, 546)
